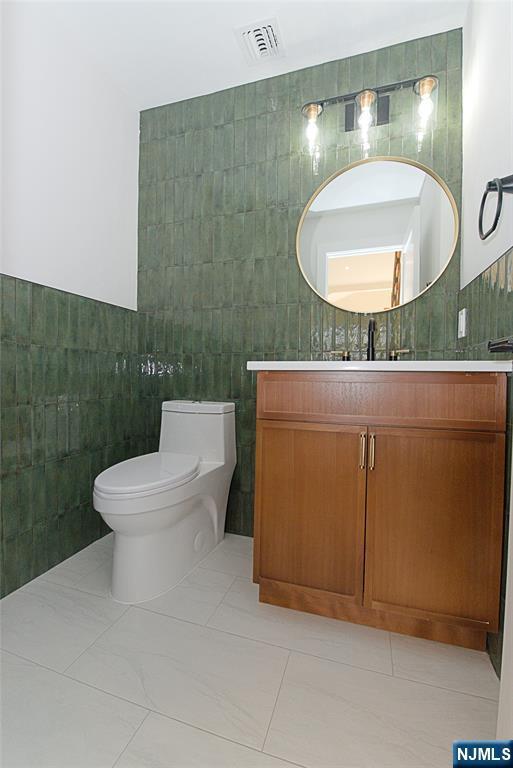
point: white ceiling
(160, 52)
(363, 271)
(378, 182)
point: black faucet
(371, 352)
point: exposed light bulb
(365, 102)
(365, 119)
(426, 107)
(312, 131)
(425, 88)
(312, 112)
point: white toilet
(168, 509)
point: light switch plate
(462, 323)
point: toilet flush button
(199, 541)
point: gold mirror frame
(381, 158)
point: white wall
(70, 157)
(348, 229)
(487, 126)
(437, 231)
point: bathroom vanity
(380, 491)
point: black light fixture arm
(501, 186)
(381, 90)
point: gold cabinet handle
(372, 451)
(363, 450)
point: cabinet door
(434, 524)
(310, 505)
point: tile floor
(206, 676)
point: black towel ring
(500, 186)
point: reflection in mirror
(376, 235)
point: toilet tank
(199, 427)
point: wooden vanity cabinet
(434, 522)
(381, 522)
(311, 494)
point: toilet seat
(148, 474)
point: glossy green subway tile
(10, 566)
(8, 373)
(24, 500)
(38, 434)
(9, 506)
(8, 307)
(38, 314)
(38, 494)
(23, 436)
(51, 442)
(454, 49)
(23, 374)
(23, 311)
(51, 317)
(37, 368)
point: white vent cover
(261, 41)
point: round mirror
(377, 234)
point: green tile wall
(223, 181)
(69, 396)
(489, 300)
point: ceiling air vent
(261, 41)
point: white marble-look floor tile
(89, 570)
(336, 716)
(221, 683)
(51, 624)
(447, 666)
(165, 743)
(193, 599)
(50, 721)
(242, 614)
(234, 555)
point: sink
(470, 366)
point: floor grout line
(208, 733)
(96, 639)
(396, 677)
(276, 701)
(293, 650)
(149, 710)
(46, 580)
(444, 688)
(217, 570)
(207, 625)
(132, 737)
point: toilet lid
(152, 472)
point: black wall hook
(500, 186)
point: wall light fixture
(426, 93)
(311, 112)
(366, 102)
(371, 107)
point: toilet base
(145, 567)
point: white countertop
(465, 366)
